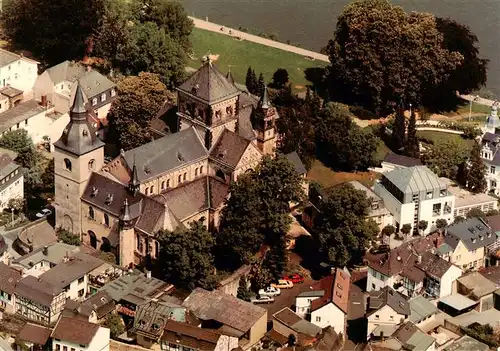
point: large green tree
(341, 144)
(150, 49)
(341, 231)
(186, 256)
(139, 100)
(445, 157)
(379, 54)
(475, 172)
(53, 30)
(399, 129)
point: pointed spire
(125, 215)
(264, 100)
(134, 183)
(78, 106)
(229, 75)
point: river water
(311, 23)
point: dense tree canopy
(380, 54)
(280, 78)
(341, 144)
(53, 30)
(139, 100)
(186, 256)
(341, 231)
(475, 172)
(445, 157)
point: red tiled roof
(336, 289)
(75, 330)
(35, 334)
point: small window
(58, 347)
(162, 185)
(146, 191)
(113, 92)
(80, 294)
(151, 189)
(94, 101)
(195, 172)
(106, 220)
(168, 183)
(179, 178)
(67, 164)
(26, 122)
(201, 170)
(81, 280)
(91, 212)
(377, 316)
(18, 126)
(91, 165)
(184, 177)
(318, 319)
(140, 245)
(103, 97)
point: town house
(18, 72)
(71, 334)
(8, 280)
(386, 309)
(11, 180)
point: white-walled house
(74, 334)
(490, 143)
(18, 71)
(413, 194)
(8, 280)
(11, 181)
(386, 309)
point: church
(169, 182)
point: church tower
(127, 236)
(77, 154)
(492, 121)
(265, 124)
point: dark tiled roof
(491, 137)
(295, 160)
(494, 222)
(287, 317)
(473, 232)
(20, 113)
(412, 272)
(8, 278)
(35, 334)
(229, 148)
(336, 288)
(387, 296)
(190, 336)
(209, 85)
(245, 128)
(101, 302)
(434, 265)
(492, 273)
(164, 154)
(401, 160)
(496, 158)
(37, 290)
(75, 330)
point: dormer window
(94, 101)
(113, 92)
(94, 192)
(109, 199)
(85, 132)
(103, 97)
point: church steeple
(264, 99)
(229, 76)
(133, 185)
(125, 216)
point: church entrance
(93, 239)
(106, 245)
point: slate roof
(94, 84)
(473, 232)
(466, 343)
(191, 198)
(66, 70)
(421, 308)
(223, 308)
(336, 288)
(190, 336)
(229, 148)
(295, 160)
(35, 334)
(101, 303)
(414, 179)
(412, 338)
(8, 278)
(245, 128)
(36, 290)
(151, 317)
(167, 153)
(20, 113)
(491, 137)
(294, 322)
(76, 331)
(209, 84)
(401, 160)
(434, 265)
(476, 285)
(387, 296)
(7, 57)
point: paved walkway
(203, 24)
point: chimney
(419, 259)
(44, 101)
(148, 274)
(45, 250)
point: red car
(294, 278)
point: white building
(377, 212)
(489, 153)
(18, 71)
(466, 201)
(11, 181)
(73, 334)
(414, 194)
(386, 309)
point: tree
(280, 78)
(380, 53)
(64, 29)
(444, 157)
(48, 176)
(276, 258)
(412, 147)
(406, 229)
(249, 81)
(388, 230)
(422, 225)
(342, 232)
(341, 144)
(67, 237)
(115, 324)
(150, 49)
(16, 203)
(476, 213)
(441, 223)
(168, 15)
(458, 219)
(243, 291)
(139, 100)
(399, 129)
(492, 213)
(475, 173)
(21, 143)
(186, 256)
(260, 85)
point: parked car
(283, 284)
(294, 278)
(269, 291)
(262, 299)
(43, 213)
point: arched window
(162, 185)
(140, 244)
(151, 190)
(67, 163)
(146, 191)
(106, 245)
(185, 176)
(93, 239)
(195, 172)
(168, 183)
(220, 174)
(201, 170)
(106, 220)
(157, 249)
(91, 165)
(91, 212)
(180, 178)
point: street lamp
(12, 212)
(410, 110)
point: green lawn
(327, 178)
(241, 54)
(433, 136)
(464, 109)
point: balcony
(102, 279)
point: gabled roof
(36, 290)
(7, 57)
(229, 148)
(412, 338)
(8, 278)
(414, 179)
(35, 334)
(401, 160)
(20, 113)
(388, 297)
(295, 160)
(336, 288)
(76, 331)
(290, 319)
(209, 85)
(473, 232)
(66, 70)
(421, 308)
(94, 83)
(433, 265)
(190, 336)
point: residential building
(456, 304)
(94, 309)
(466, 343)
(8, 280)
(377, 211)
(58, 85)
(386, 308)
(489, 151)
(415, 194)
(326, 303)
(169, 182)
(286, 323)
(395, 161)
(465, 243)
(35, 337)
(178, 336)
(422, 312)
(18, 72)
(406, 336)
(71, 334)
(228, 314)
(466, 201)
(439, 275)
(478, 288)
(11, 181)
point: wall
(100, 342)
(446, 284)
(376, 280)
(303, 305)
(465, 259)
(226, 343)
(20, 74)
(44, 86)
(258, 330)
(386, 316)
(329, 315)
(37, 126)
(98, 226)
(13, 191)
(283, 329)
(426, 213)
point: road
(203, 24)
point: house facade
(11, 180)
(8, 280)
(18, 71)
(386, 309)
(71, 334)
(414, 194)
(489, 151)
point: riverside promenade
(213, 27)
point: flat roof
(458, 301)
(464, 198)
(466, 343)
(491, 317)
